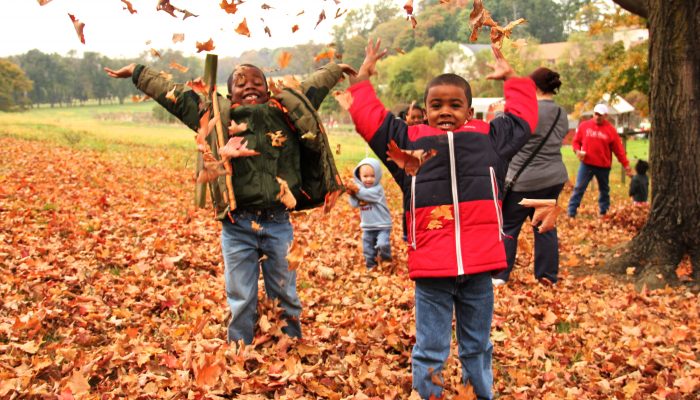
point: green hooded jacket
(304, 159)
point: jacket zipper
(455, 203)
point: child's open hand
(123, 72)
(369, 65)
(501, 69)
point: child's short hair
(452, 80)
(229, 82)
(641, 167)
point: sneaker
(497, 282)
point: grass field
(116, 128)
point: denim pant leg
(276, 236)
(383, 245)
(602, 175)
(241, 272)
(513, 217)
(583, 178)
(369, 250)
(434, 306)
(474, 312)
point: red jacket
(466, 174)
(599, 142)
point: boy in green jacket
(294, 158)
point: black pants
(546, 244)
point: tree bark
(673, 228)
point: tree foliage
(16, 85)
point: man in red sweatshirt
(594, 143)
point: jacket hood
(372, 162)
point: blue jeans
(471, 299)
(585, 174)
(242, 247)
(546, 244)
(375, 242)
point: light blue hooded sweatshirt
(374, 212)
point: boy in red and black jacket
(451, 255)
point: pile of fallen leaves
(111, 285)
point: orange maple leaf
(198, 86)
(295, 255)
(235, 128)
(285, 195)
(465, 392)
(242, 28)
(178, 37)
(408, 7)
(229, 8)
(295, 28)
(79, 26)
(329, 54)
(277, 138)
(43, 2)
(205, 46)
(283, 59)
(207, 371)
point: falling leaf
(409, 160)
(265, 6)
(414, 23)
(178, 37)
(255, 226)
(445, 1)
(479, 17)
(291, 82)
(236, 147)
(164, 5)
(138, 99)
(443, 211)
(79, 26)
(295, 255)
(166, 75)
(498, 33)
(344, 98)
(155, 53)
(43, 2)
(267, 31)
(283, 59)
(205, 46)
(329, 54)
(434, 224)
(199, 86)
(295, 28)
(242, 28)
(178, 67)
(408, 7)
(235, 128)
(129, 7)
(285, 195)
(300, 13)
(277, 138)
(339, 14)
(321, 17)
(211, 171)
(229, 8)
(400, 50)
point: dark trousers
(546, 244)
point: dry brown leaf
(242, 28)
(321, 17)
(235, 128)
(285, 195)
(266, 6)
(267, 31)
(205, 46)
(408, 7)
(295, 28)
(409, 160)
(79, 26)
(339, 14)
(277, 138)
(255, 226)
(178, 37)
(199, 86)
(236, 147)
(229, 8)
(155, 53)
(171, 95)
(178, 67)
(129, 6)
(295, 255)
(43, 2)
(284, 59)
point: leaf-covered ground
(111, 286)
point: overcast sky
(113, 31)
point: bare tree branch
(638, 7)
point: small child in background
(375, 219)
(639, 186)
(413, 115)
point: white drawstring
(455, 203)
(413, 212)
(499, 215)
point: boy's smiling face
(447, 107)
(249, 86)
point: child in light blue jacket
(375, 219)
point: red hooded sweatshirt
(599, 142)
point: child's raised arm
(369, 65)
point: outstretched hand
(123, 72)
(369, 65)
(501, 69)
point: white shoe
(497, 282)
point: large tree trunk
(673, 227)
